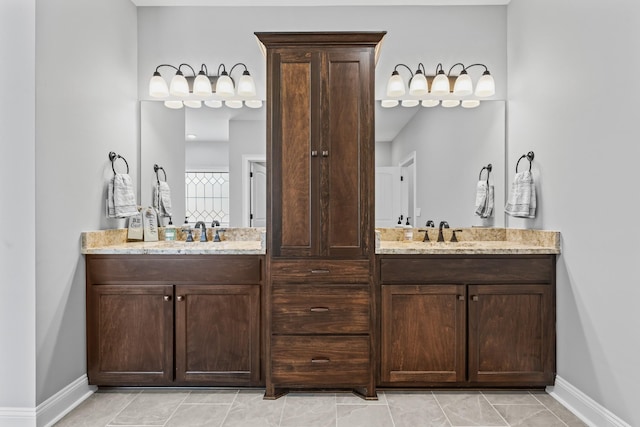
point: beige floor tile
(250, 410)
(468, 409)
(415, 409)
(353, 399)
(198, 415)
(150, 408)
(364, 416)
(528, 416)
(514, 397)
(212, 396)
(97, 410)
(560, 411)
(309, 410)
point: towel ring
(529, 156)
(488, 168)
(113, 157)
(156, 168)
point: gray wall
(86, 106)
(452, 146)
(18, 205)
(584, 130)
(215, 35)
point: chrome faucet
(443, 224)
(203, 233)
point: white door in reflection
(388, 196)
(258, 199)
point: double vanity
(479, 312)
(321, 299)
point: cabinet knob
(460, 297)
(167, 298)
(325, 153)
(180, 298)
(474, 298)
(320, 360)
(314, 153)
(319, 309)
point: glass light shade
(470, 103)
(389, 103)
(395, 85)
(233, 103)
(440, 85)
(202, 86)
(486, 86)
(418, 86)
(179, 85)
(193, 103)
(158, 87)
(213, 103)
(246, 85)
(253, 103)
(430, 102)
(409, 102)
(224, 86)
(174, 105)
(463, 85)
(449, 103)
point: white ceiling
(320, 2)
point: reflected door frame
(408, 187)
(247, 159)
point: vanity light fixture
(446, 88)
(192, 90)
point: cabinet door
(511, 334)
(293, 152)
(217, 334)
(423, 334)
(130, 335)
(347, 152)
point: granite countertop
(471, 241)
(235, 241)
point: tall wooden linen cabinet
(319, 299)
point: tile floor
(246, 408)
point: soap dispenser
(408, 231)
(170, 231)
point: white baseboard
(57, 406)
(585, 408)
(17, 417)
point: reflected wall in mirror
(439, 153)
(210, 156)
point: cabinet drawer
(334, 361)
(323, 309)
(320, 271)
(170, 269)
(506, 269)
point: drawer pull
(461, 297)
(320, 360)
(319, 309)
(474, 298)
(320, 271)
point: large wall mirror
(428, 162)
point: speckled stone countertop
(235, 241)
(471, 241)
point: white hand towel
(522, 199)
(162, 198)
(121, 198)
(484, 199)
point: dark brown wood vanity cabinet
(320, 213)
(467, 321)
(161, 320)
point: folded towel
(121, 199)
(484, 199)
(522, 199)
(162, 198)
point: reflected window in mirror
(207, 197)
